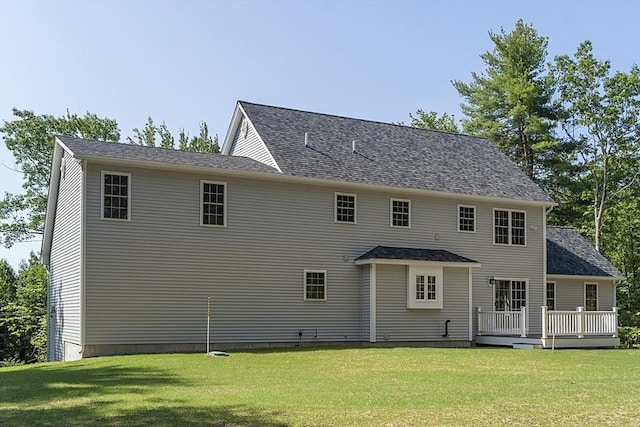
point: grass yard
(330, 387)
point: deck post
(544, 321)
(479, 332)
(615, 320)
(580, 322)
(523, 321)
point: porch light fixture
(492, 281)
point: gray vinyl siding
(396, 322)
(147, 280)
(251, 146)
(570, 293)
(64, 292)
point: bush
(629, 336)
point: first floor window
(400, 213)
(345, 207)
(116, 193)
(509, 227)
(591, 296)
(510, 295)
(213, 203)
(467, 218)
(315, 285)
(551, 295)
(424, 287)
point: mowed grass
(330, 387)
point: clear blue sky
(184, 62)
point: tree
(7, 283)
(600, 115)
(431, 121)
(145, 137)
(30, 139)
(510, 103)
(202, 143)
(23, 319)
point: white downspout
(83, 250)
(372, 304)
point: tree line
(570, 123)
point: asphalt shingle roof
(83, 148)
(413, 254)
(387, 154)
(569, 253)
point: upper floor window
(116, 194)
(315, 285)
(400, 213)
(213, 196)
(591, 296)
(345, 207)
(509, 227)
(467, 218)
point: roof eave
(416, 262)
(584, 277)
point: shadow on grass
(97, 395)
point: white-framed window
(509, 227)
(345, 207)
(551, 295)
(510, 294)
(591, 296)
(400, 213)
(467, 218)
(424, 287)
(213, 203)
(315, 285)
(116, 196)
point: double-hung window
(509, 227)
(345, 207)
(315, 285)
(400, 213)
(551, 295)
(510, 295)
(467, 218)
(213, 203)
(591, 296)
(116, 196)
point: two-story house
(312, 229)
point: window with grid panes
(509, 227)
(420, 287)
(591, 296)
(510, 295)
(551, 295)
(315, 285)
(400, 213)
(213, 203)
(466, 218)
(345, 207)
(115, 195)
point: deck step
(523, 346)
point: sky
(184, 62)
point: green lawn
(326, 387)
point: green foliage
(600, 116)
(30, 137)
(23, 319)
(510, 103)
(202, 143)
(432, 121)
(8, 283)
(629, 336)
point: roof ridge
(359, 119)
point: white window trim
(335, 208)
(415, 270)
(493, 225)
(475, 219)
(127, 174)
(512, 279)
(304, 285)
(555, 294)
(391, 200)
(224, 211)
(597, 294)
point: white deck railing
(579, 322)
(502, 322)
